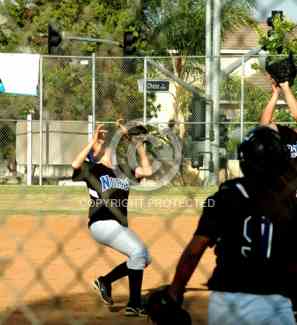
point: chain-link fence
(78, 92)
(48, 258)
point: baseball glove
(163, 310)
(284, 70)
(137, 130)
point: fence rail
(47, 257)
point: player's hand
(275, 88)
(99, 135)
(120, 125)
(284, 85)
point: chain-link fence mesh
(48, 258)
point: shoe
(104, 290)
(135, 311)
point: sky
(264, 8)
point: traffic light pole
(91, 40)
(179, 81)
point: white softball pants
(248, 309)
(122, 239)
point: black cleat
(104, 290)
(135, 311)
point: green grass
(60, 200)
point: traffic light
(270, 23)
(271, 18)
(198, 114)
(129, 44)
(129, 49)
(54, 38)
(223, 131)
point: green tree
(161, 25)
(179, 26)
(67, 84)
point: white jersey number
(266, 233)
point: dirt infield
(47, 263)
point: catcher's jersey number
(264, 228)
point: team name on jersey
(293, 150)
(108, 183)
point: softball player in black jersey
(253, 228)
(288, 134)
(108, 215)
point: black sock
(117, 273)
(135, 283)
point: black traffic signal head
(129, 43)
(273, 14)
(198, 115)
(54, 38)
(223, 131)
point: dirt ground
(48, 262)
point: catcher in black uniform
(288, 135)
(108, 223)
(253, 228)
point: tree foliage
(282, 38)
(67, 83)
(160, 25)
(180, 24)
(255, 100)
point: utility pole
(216, 72)
(208, 87)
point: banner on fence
(19, 73)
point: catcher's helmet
(263, 154)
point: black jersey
(289, 138)
(253, 252)
(108, 193)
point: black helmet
(263, 154)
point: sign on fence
(153, 85)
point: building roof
(243, 38)
(260, 80)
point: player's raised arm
(187, 265)
(136, 136)
(145, 168)
(96, 144)
(290, 98)
(266, 116)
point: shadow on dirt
(85, 308)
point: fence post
(90, 127)
(94, 90)
(242, 99)
(29, 149)
(144, 90)
(40, 118)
